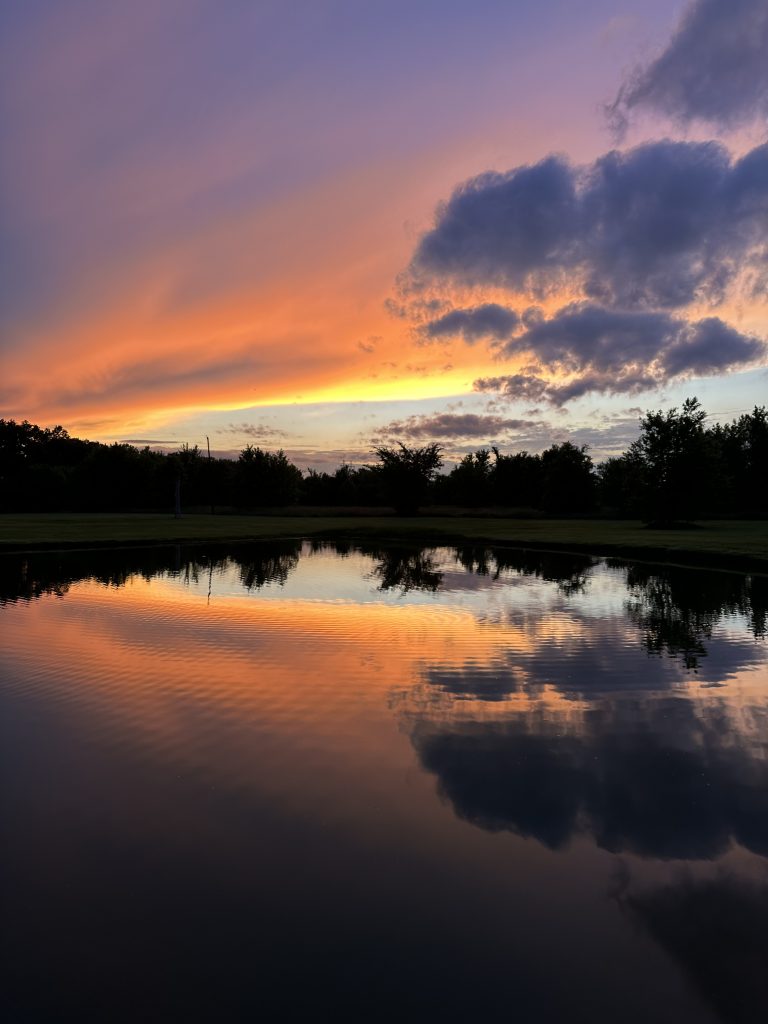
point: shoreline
(740, 546)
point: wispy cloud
(256, 431)
(446, 425)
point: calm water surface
(312, 781)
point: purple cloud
(611, 351)
(714, 69)
(444, 426)
(657, 227)
(487, 321)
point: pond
(363, 782)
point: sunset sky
(317, 225)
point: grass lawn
(726, 543)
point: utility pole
(210, 474)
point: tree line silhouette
(679, 469)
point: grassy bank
(727, 544)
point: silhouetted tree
(673, 452)
(186, 469)
(348, 485)
(568, 483)
(517, 480)
(620, 484)
(266, 478)
(406, 474)
(742, 452)
(36, 465)
(470, 482)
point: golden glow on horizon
(237, 255)
(168, 336)
(268, 306)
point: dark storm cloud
(715, 68)
(488, 321)
(450, 425)
(656, 227)
(618, 352)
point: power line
(726, 412)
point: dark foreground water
(303, 782)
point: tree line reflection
(675, 609)
(28, 577)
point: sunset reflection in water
(454, 779)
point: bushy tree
(742, 450)
(568, 481)
(406, 473)
(36, 466)
(673, 452)
(266, 479)
(348, 485)
(517, 480)
(620, 485)
(185, 468)
(469, 483)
